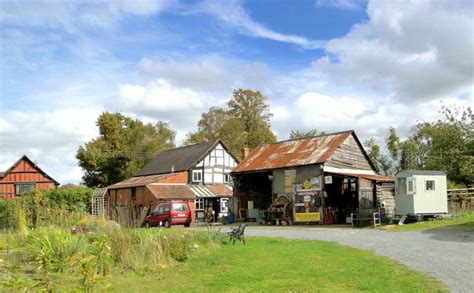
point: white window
(226, 178)
(197, 175)
(430, 185)
(199, 204)
(410, 186)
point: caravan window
(402, 186)
(430, 185)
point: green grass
(266, 264)
(463, 222)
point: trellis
(99, 202)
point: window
(402, 186)
(164, 209)
(134, 193)
(22, 188)
(199, 204)
(226, 178)
(430, 185)
(180, 207)
(410, 186)
(197, 175)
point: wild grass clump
(85, 256)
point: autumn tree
(124, 146)
(244, 122)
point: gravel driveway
(446, 255)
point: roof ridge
(309, 137)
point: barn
(198, 173)
(326, 178)
(24, 176)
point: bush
(62, 207)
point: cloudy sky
(326, 64)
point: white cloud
(368, 118)
(160, 100)
(208, 73)
(70, 16)
(232, 13)
(420, 50)
(50, 138)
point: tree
(446, 144)
(245, 122)
(382, 163)
(299, 134)
(124, 145)
(251, 109)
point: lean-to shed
(421, 192)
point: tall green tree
(299, 134)
(382, 163)
(245, 122)
(124, 145)
(446, 144)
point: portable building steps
(401, 219)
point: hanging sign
(307, 184)
(327, 179)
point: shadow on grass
(463, 232)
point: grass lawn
(464, 222)
(266, 264)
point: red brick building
(24, 176)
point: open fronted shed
(326, 178)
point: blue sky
(325, 64)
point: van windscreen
(180, 207)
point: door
(163, 213)
(224, 206)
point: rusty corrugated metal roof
(138, 181)
(292, 153)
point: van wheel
(187, 225)
(167, 224)
(146, 225)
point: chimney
(245, 152)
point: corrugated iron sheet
(292, 153)
(202, 191)
(138, 181)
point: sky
(332, 65)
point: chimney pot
(245, 152)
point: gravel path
(446, 255)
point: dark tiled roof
(178, 159)
(291, 153)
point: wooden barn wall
(386, 195)
(24, 172)
(349, 155)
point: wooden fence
(461, 199)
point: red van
(167, 214)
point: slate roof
(292, 153)
(178, 159)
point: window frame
(199, 204)
(433, 187)
(226, 176)
(19, 185)
(195, 172)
